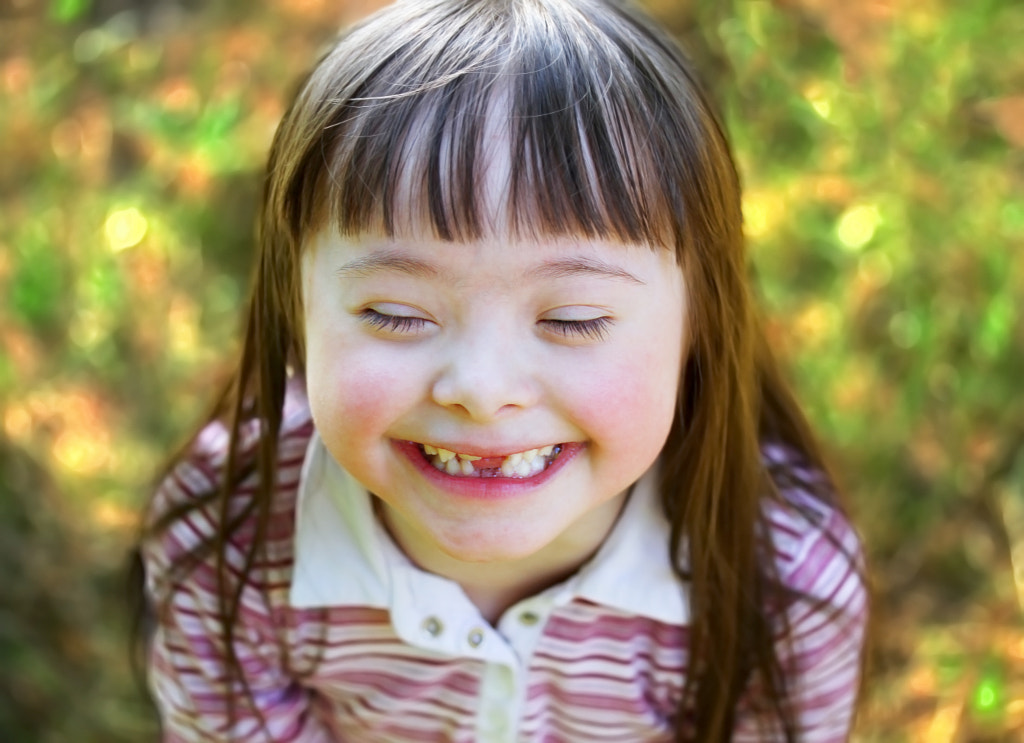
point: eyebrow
(398, 262)
(388, 260)
(583, 266)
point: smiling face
(423, 354)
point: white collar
(344, 557)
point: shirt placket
(434, 614)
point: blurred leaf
(65, 11)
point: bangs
(523, 118)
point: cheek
(630, 404)
(354, 393)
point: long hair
(609, 135)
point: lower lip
(486, 488)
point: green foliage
(883, 160)
(64, 11)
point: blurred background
(882, 147)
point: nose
(484, 378)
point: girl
(506, 456)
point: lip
(485, 488)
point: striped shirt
(342, 639)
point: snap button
(432, 626)
(476, 638)
(529, 618)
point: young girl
(506, 456)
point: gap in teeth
(519, 464)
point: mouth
(517, 465)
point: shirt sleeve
(187, 657)
(827, 631)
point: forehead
(493, 266)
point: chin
(483, 551)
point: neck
(506, 584)
(495, 586)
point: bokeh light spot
(16, 75)
(857, 226)
(90, 45)
(905, 329)
(125, 229)
(183, 326)
(180, 96)
(875, 268)
(18, 423)
(84, 451)
(88, 328)
(986, 695)
(66, 139)
(755, 218)
(817, 95)
(109, 515)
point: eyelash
(594, 330)
(393, 323)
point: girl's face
(499, 397)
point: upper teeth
(523, 463)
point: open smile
(494, 474)
(522, 464)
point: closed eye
(595, 329)
(392, 323)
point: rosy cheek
(612, 401)
(354, 394)
(630, 403)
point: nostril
(484, 394)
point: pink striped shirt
(343, 639)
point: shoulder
(188, 517)
(817, 550)
(205, 641)
(819, 567)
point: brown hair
(609, 135)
